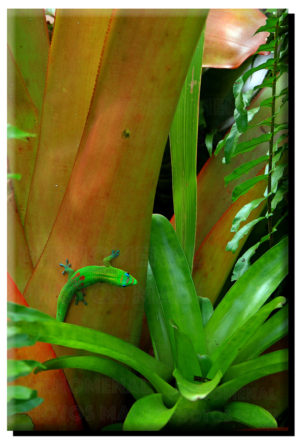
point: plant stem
(271, 145)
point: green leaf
(244, 213)
(279, 196)
(247, 146)
(19, 406)
(16, 339)
(244, 168)
(20, 393)
(242, 374)
(193, 391)
(16, 312)
(223, 356)
(19, 422)
(17, 368)
(274, 329)
(250, 414)
(183, 145)
(14, 132)
(148, 414)
(156, 322)
(209, 139)
(248, 294)
(135, 385)
(243, 188)
(175, 284)
(264, 66)
(207, 309)
(14, 176)
(243, 263)
(186, 359)
(73, 336)
(234, 242)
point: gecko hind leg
(115, 253)
(79, 297)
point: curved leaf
(275, 328)
(20, 393)
(19, 422)
(17, 368)
(18, 406)
(244, 213)
(226, 353)
(248, 294)
(69, 335)
(246, 185)
(156, 321)
(175, 285)
(148, 414)
(254, 369)
(229, 37)
(234, 242)
(193, 391)
(244, 168)
(250, 414)
(135, 385)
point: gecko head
(127, 280)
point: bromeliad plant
(202, 356)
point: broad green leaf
(223, 355)
(246, 185)
(234, 242)
(250, 365)
(156, 321)
(16, 313)
(194, 391)
(14, 132)
(274, 329)
(244, 168)
(174, 283)
(20, 393)
(19, 406)
(248, 294)
(186, 359)
(69, 335)
(245, 373)
(183, 145)
(19, 422)
(148, 414)
(17, 368)
(206, 309)
(250, 414)
(16, 339)
(135, 385)
(244, 213)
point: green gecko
(87, 276)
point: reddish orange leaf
(73, 62)
(229, 38)
(58, 410)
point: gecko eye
(127, 274)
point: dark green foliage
(275, 134)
